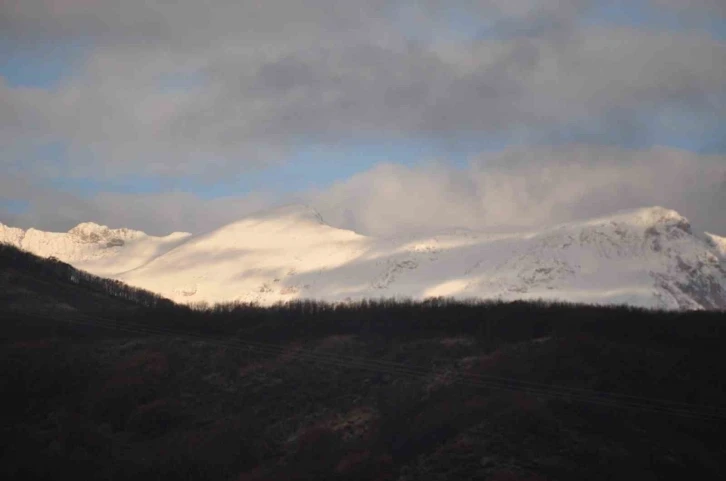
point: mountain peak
(295, 212)
(647, 217)
(718, 242)
(88, 227)
(92, 232)
(659, 215)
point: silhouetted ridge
(13, 258)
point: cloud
(47, 208)
(178, 211)
(520, 189)
(53, 209)
(269, 77)
(188, 90)
(514, 189)
(694, 7)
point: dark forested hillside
(51, 278)
(104, 381)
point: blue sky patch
(639, 14)
(42, 66)
(14, 206)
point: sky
(388, 116)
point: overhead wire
(478, 376)
(602, 398)
(402, 369)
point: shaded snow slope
(645, 257)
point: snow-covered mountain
(94, 248)
(646, 257)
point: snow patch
(644, 217)
(718, 242)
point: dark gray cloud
(260, 78)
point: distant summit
(91, 232)
(93, 247)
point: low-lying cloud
(522, 189)
(516, 189)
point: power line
(481, 377)
(602, 398)
(402, 369)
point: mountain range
(647, 257)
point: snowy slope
(718, 242)
(646, 257)
(262, 258)
(92, 247)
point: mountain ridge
(647, 257)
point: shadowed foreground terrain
(103, 381)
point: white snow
(645, 217)
(718, 242)
(92, 247)
(645, 257)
